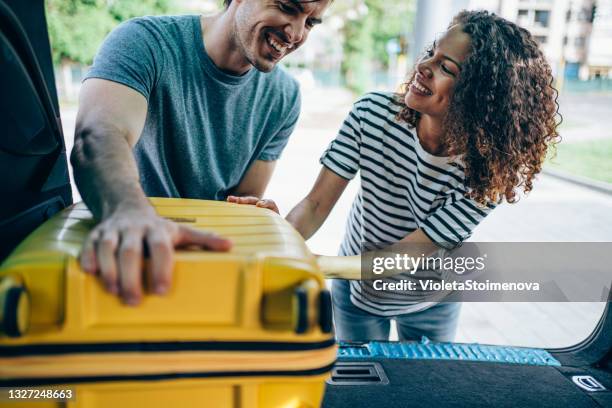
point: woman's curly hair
(503, 113)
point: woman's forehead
(454, 42)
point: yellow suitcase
(247, 328)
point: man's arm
(256, 179)
(109, 123)
(310, 213)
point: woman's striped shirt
(403, 188)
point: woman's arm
(415, 244)
(310, 213)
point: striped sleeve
(342, 154)
(453, 223)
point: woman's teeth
(421, 88)
(278, 47)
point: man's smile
(278, 46)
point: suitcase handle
(14, 307)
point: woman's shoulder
(389, 102)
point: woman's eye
(430, 52)
(448, 71)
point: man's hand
(115, 248)
(256, 201)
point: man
(181, 92)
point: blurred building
(578, 33)
(599, 57)
(547, 22)
(575, 35)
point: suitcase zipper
(111, 365)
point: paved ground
(585, 116)
(555, 211)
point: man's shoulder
(164, 20)
(162, 26)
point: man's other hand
(115, 248)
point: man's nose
(295, 31)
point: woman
(471, 127)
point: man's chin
(265, 65)
(265, 69)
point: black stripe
(354, 248)
(404, 130)
(349, 147)
(411, 148)
(373, 235)
(398, 232)
(333, 170)
(31, 382)
(388, 100)
(415, 164)
(457, 205)
(387, 202)
(457, 220)
(382, 141)
(356, 118)
(432, 238)
(474, 207)
(376, 237)
(343, 132)
(447, 226)
(347, 124)
(339, 166)
(391, 98)
(353, 234)
(390, 110)
(348, 156)
(410, 189)
(154, 347)
(432, 228)
(406, 169)
(388, 214)
(410, 209)
(393, 236)
(368, 174)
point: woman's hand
(256, 201)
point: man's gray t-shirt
(204, 127)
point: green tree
(358, 51)
(369, 26)
(78, 27)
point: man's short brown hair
(226, 3)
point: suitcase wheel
(297, 308)
(325, 311)
(14, 308)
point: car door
(34, 181)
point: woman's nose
(424, 69)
